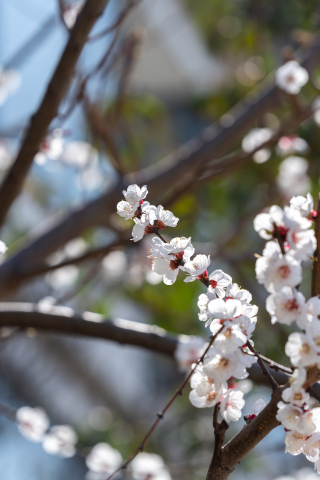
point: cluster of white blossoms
(281, 274)
(102, 461)
(225, 307)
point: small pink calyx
(148, 230)
(312, 215)
(283, 232)
(213, 283)
(251, 417)
(203, 276)
(159, 225)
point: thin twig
(160, 415)
(276, 366)
(264, 369)
(116, 24)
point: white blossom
(79, 154)
(225, 310)
(294, 442)
(278, 273)
(296, 397)
(220, 367)
(300, 350)
(161, 218)
(290, 144)
(230, 338)
(141, 227)
(234, 291)
(291, 77)
(196, 267)
(203, 301)
(263, 222)
(205, 393)
(219, 281)
(286, 305)
(188, 351)
(135, 194)
(253, 140)
(231, 405)
(171, 257)
(304, 205)
(60, 440)
(295, 418)
(32, 423)
(51, 147)
(298, 379)
(292, 178)
(149, 466)
(246, 324)
(103, 459)
(257, 407)
(311, 447)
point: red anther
(174, 264)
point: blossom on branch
(291, 77)
(32, 423)
(231, 405)
(149, 466)
(197, 267)
(102, 461)
(205, 392)
(168, 258)
(286, 305)
(60, 440)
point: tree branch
(245, 440)
(48, 109)
(62, 320)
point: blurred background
(191, 62)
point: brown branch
(126, 332)
(242, 443)
(315, 288)
(48, 109)
(219, 433)
(89, 324)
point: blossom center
(284, 271)
(224, 362)
(291, 304)
(305, 348)
(211, 396)
(213, 283)
(316, 340)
